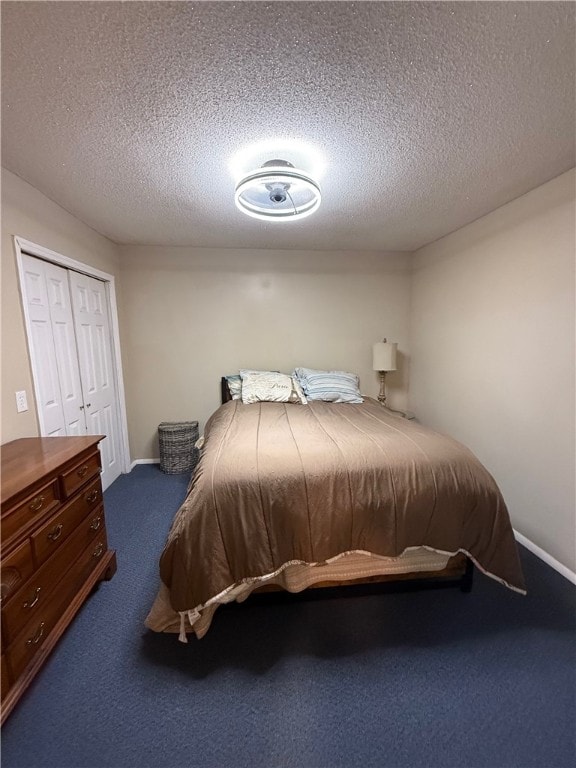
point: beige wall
(30, 214)
(192, 315)
(492, 343)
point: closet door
(65, 346)
(53, 348)
(92, 326)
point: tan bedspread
(280, 482)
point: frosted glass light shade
(384, 356)
(277, 192)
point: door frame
(33, 249)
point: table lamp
(384, 360)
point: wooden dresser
(54, 548)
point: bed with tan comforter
(281, 487)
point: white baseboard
(548, 559)
(143, 461)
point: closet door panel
(43, 350)
(66, 351)
(110, 427)
(49, 385)
(90, 307)
(86, 356)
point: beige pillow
(268, 386)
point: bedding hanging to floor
(283, 483)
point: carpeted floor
(405, 680)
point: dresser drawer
(25, 646)
(21, 651)
(53, 533)
(16, 568)
(21, 516)
(31, 598)
(4, 675)
(75, 478)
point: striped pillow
(331, 386)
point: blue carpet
(432, 679)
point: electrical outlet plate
(21, 401)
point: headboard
(225, 395)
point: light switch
(21, 401)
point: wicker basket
(177, 451)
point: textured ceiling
(420, 117)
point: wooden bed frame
(459, 570)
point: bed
(291, 496)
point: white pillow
(234, 386)
(268, 386)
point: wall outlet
(21, 401)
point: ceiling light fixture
(277, 192)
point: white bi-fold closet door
(71, 349)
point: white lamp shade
(384, 356)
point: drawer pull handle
(98, 551)
(81, 471)
(37, 503)
(34, 600)
(37, 637)
(92, 496)
(96, 523)
(55, 533)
